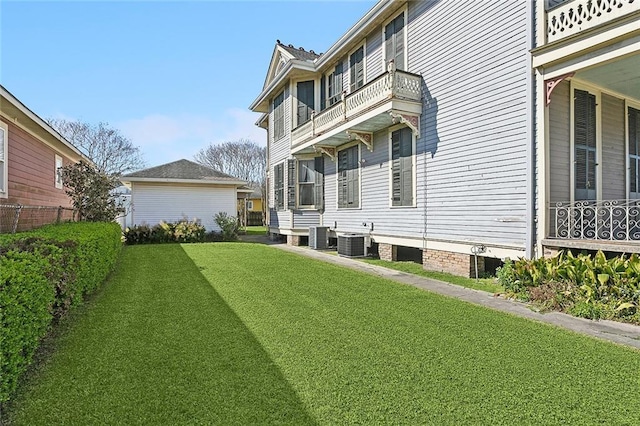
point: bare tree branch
(111, 152)
(243, 159)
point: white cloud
(164, 138)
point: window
(584, 132)
(249, 205)
(278, 186)
(278, 116)
(4, 142)
(58, 172)
(306, 101)
(348, 178)
(394, 42)
(402, 167)
(634, 153)
(331, 87)
(356, 67)
(311, 183)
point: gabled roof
(299, 53)
(286, 55)
(182, 171)
(13, 109)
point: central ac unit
(318, 237)
(351, 245)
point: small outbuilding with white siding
(181, 190)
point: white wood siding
(560, 144)
(153, 203)
(279, 151)
(303, 219)
(471, 157)
(613, 148)
(374, 63)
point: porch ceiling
(621, 76)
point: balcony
(369, 109)
(574, 16)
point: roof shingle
(181, 169)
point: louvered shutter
(399, 42)
(356, 66)
(585, 145)
(318, 189)
(353, 181)
(402, 167)
(634, 153)
(323, 93)
(291, 184)
(305, 101)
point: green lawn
(256, 230)
(484, 284)
(234, 333)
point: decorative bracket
(329, 151)
(412, 121)
(365, 137)
(551, 84)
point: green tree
(90, 191)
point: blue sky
(171, 76)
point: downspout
(530, 134)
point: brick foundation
(293, 240)
(388, 252)
(453, 263)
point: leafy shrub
(591, 287)
(183, 231)
(42, 274)
(228, 226)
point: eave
(133, 179)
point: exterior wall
(257, 204)
(471, 157)
(613, 148)
(453, 263)
(154, 202)
(303, 219)
(279, 151)
(560, 143)
(388, 252)
(31, 171)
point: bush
(42, 274)
(591, 287)
(228, 226)
(182, 231)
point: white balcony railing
(390, 85)
(614, 220)
(574, 16)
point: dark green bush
(586, 286)
(42, 274)
(183, 231)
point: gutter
(125, 179)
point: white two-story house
(429, 128)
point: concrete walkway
(621, 333)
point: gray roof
(181, 169)
(300, 53)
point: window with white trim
(249, 204)
(349, 178)
(394, 41)
(634, 153)
(278, 116)
(278, 186)
(58, 171)
(402, 189)
(356, 69)
(4, 145)
(331, 87)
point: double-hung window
(4, 139)
(394, 41)
(58, 171)
(278, 186)
(634, 153)
(278, 116)
(331, 87)
(349, 178)
(356, 67)
(311, 183)
(402, 167)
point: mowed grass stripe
(157, 346)
(361, 349)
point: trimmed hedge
(42, 274)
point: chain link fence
(16, 218)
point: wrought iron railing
(574, 16)
(616, 220)
(389, 85)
